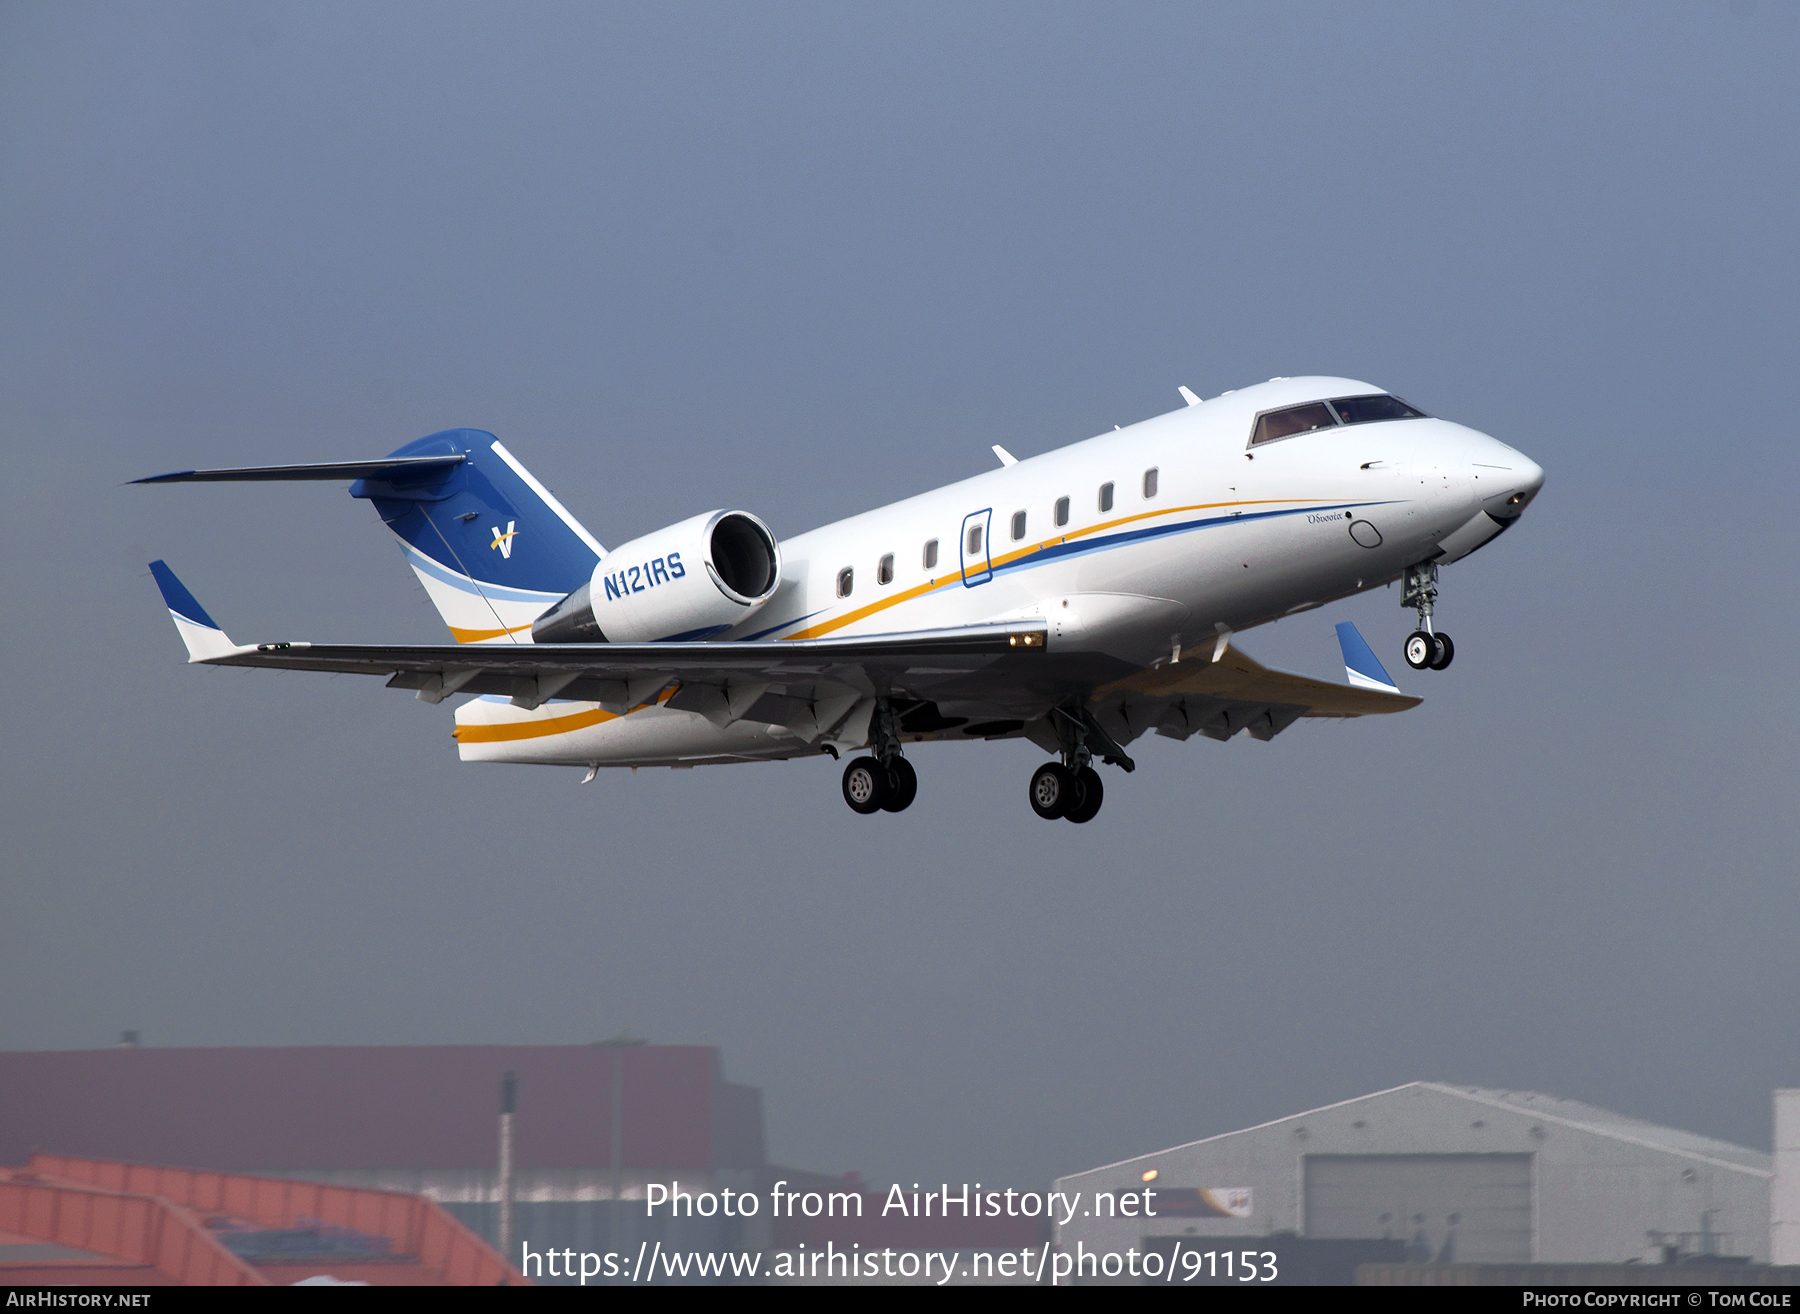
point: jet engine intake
(687, 582)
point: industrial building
(1446, 1173)
(594, 1126)
(1784, 1200)
(88, 1223)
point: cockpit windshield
(1290, 420)
(1363, 410)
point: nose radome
(1522, 483)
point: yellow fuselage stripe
(945, 581)
(490, 733)
(477, 636)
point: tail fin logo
(504, 541)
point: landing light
(1034, 639)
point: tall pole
(508, 1094)
(618, 1129)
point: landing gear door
(977, 565)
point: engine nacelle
(689, 581)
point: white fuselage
(1222, 537)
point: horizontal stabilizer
(201, 633)
(1361, 667)
(392, 469)
(492, 547)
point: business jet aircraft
(1077, 599)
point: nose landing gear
(1425, 648)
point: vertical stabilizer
(492, 546)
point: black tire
(1052, 790)
(866, 785)
(904, 782)
(1092, 794)
(1446, 652)
(1420, 650)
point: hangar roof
(1541, 1108)
(1604, 1122)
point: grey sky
(804, 260)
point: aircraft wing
(1000, 665)
(625, 675)
(1233, 692)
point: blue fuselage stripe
(1068, 550)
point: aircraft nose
(1527, 476)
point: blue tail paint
(492, 546)
(485, 519)
(1360, 663)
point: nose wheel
(1425, 649)
(1429, 651)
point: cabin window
(974, 541)
(846, 581)
(1062, 512)
(1105, 497)
(1150, 482)
(884, 573)
(931, 554)
(1018, 525)
(1366, 410)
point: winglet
(201, 633)
(1360, 664)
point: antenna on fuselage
(1187, 395)
(1006, 457)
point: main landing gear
(886, 781)
(1425, 648)
(871, 787)
(1071, 788)
(1058, 791)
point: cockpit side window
(1366, 410)
(1290, 420)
